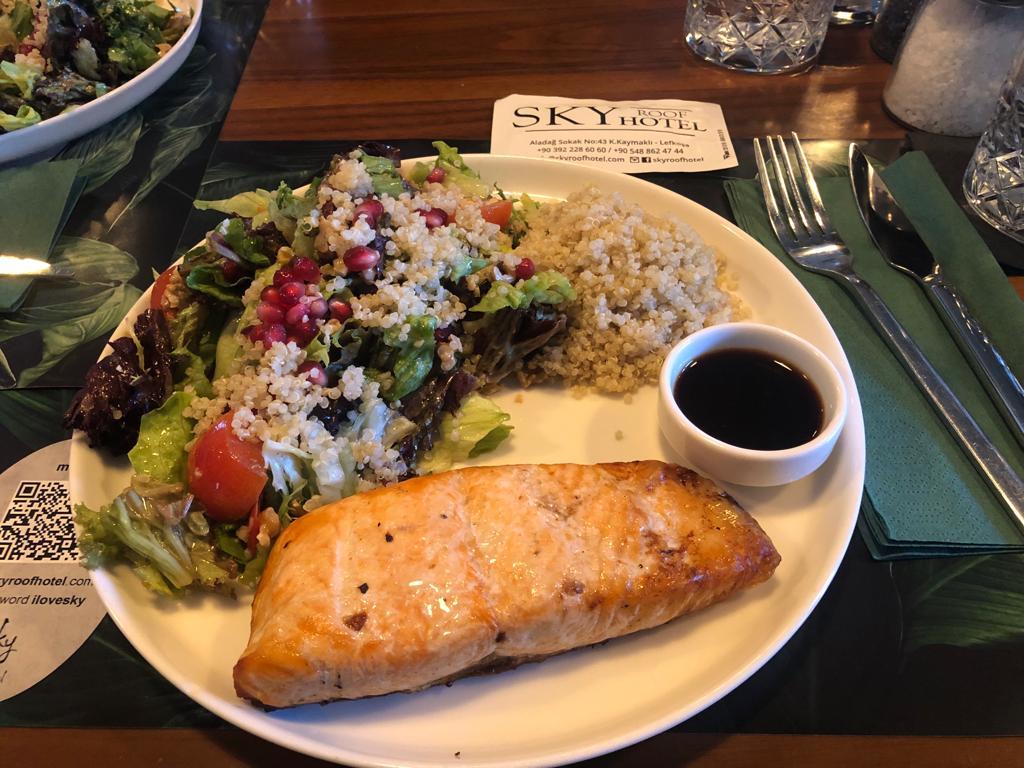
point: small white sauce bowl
(744, 466)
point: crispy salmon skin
(482, 568)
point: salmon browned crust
(483, 568)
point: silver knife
(904, 249)
(24, 266)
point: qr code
(38, 525)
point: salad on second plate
(313, 346)
(56, 55)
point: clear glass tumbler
(768, 37)
(994, 181)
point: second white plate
(57, 131)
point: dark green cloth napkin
(922, 495)
(35, 203)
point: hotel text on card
(625, 136)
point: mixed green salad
(313, 346)
(58, 54)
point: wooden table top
(329, 70)
(231, 748)
(404, 69)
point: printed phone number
(604, 152)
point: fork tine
(771, 203)
(820, 215)
(801, 206)
(787, 203)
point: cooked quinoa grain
(642, 283)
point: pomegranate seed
(435, 217)
(436, 175)
(303, 333)
(361, 258)
(443, 334)
(296, 315)
(291, 293)
(273, 333)
(525, 270)
(269, 313)
(282, 276)
(231, 269)
(270, 295)
(340, 310)
(318, 309)
(371, 210)
(305, 269)
(315, 373)
(254, 333)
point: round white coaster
(48, 606)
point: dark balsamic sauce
(750, 399)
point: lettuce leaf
(254, 568)
(160, 452)
(466, 266)
(247, 204)
(132, 54)
(287, 465)
(415, 355)
(17, 77)
(204, 560)
(477, 427)
(282, 206)
(21, 20)
(519, 221)
(116, 532)
(209, 279)
(418, 174)
(25, 117)
(157, 14)
(194, 334)
(296, 206)
(319, 350)
(549, 287)
(169, 549)
(385, 177)
(458, 173)
(228, 543)
(227, 347)
(247, 247)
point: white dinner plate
(57, 131)
(589, 701)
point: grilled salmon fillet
(483, 568)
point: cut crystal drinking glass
(765, 36)
(994, 181)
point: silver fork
(805, 232)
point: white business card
(665, 135)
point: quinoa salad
(325, 342)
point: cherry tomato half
(497, 211)
(226, 473)
(156, 298)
